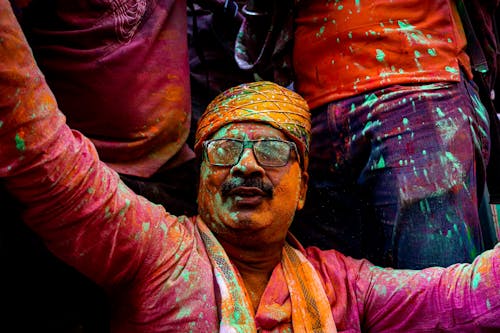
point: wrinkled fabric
(346, 56)
(402, 167)
(344, 48)
(155, 266)
(309, 306)
(119, 70)
(332, 50)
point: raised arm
(75, 203)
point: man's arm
(460, 298)
(73, 201)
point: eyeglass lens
(227, 152)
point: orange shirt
(344, 48)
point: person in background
(400, 139)
(212, 29)
(234, 266)
(120, 72)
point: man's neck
(255, 265)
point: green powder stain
(488, 304)
(424, 206)
(107, 213)
(450, 40)
(440, 112)
(185, 275)
(321, 31)
(432, 52)
(353, 107)
(405, 26)
(381, 163)
(90, 190)
(146, 226)
(406, 121)
(340, 7)
(382, 290)
(451, 70)
(20, 145)
(124, 209)
(452, 158)
(163, 227)
(1, 124)
(350, 34)
(370, 100)
(380, 55)
(183, 313)
(370, 125)
(476, 280)
(424, 152)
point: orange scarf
(311, 311)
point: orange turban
(263, 102)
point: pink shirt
(155, 265)
(119, 70)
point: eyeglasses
(268, 152)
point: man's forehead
(248, 130)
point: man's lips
(247, 196)
(245, 191)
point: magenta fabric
(119, 70)
(155, 266)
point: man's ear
(303, 190)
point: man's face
(249, 203)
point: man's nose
(247, 164)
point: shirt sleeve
(85, 215)
(460, 298)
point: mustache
(256, 182)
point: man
(233, 268)
(400, 138)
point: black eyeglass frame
(251, 144)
